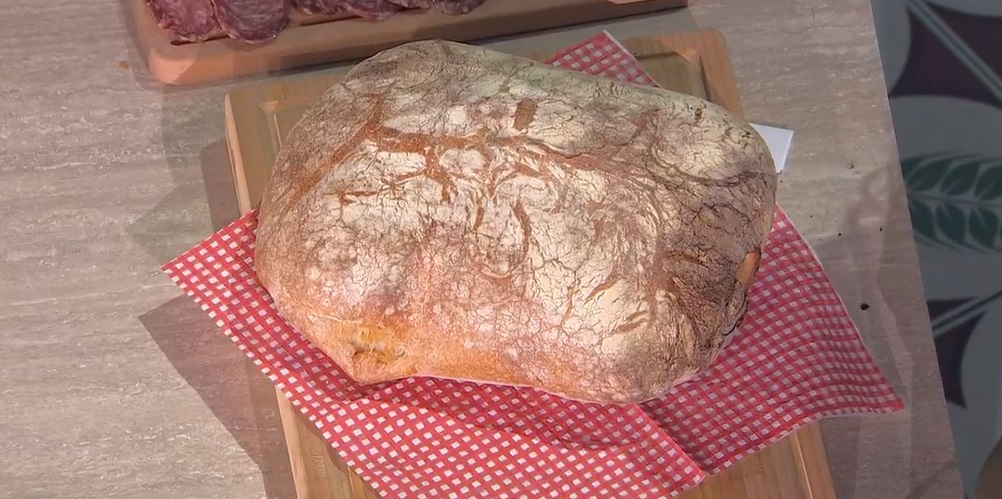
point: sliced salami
(188, 20)
(415, 4)
(456, 7)
(253, 21)
(323, 7)
(376, 10)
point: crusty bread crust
(451, 211)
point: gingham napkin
(797, 358)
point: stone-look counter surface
(112, 384)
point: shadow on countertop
(896, 340)
(229, 384)
(197, 166)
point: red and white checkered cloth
(797, 358)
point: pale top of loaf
(451, 211)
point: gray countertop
(114, 385)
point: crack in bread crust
(451, 211)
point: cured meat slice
(324, 7)
(456, 7)
(415, 4)
(252, 21)
(188, 20)
(376, 10)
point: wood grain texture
(112, 382)
(317, 471)
(312, 40)
(258, 117)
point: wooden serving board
(259, 116)
(312, 40)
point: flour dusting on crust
(451, 211)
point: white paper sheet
(778, 140)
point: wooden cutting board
(312, 40)
(259, 116)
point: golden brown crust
(455, 212)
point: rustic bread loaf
(451, 211)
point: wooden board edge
(812, 459)
(718, 71)
(315, 467)
(164, 60)
(797, 469)
(723, 87)
(233, 147)
(301, 46)
(241, 106)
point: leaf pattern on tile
(952, 51)
(955, 200)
